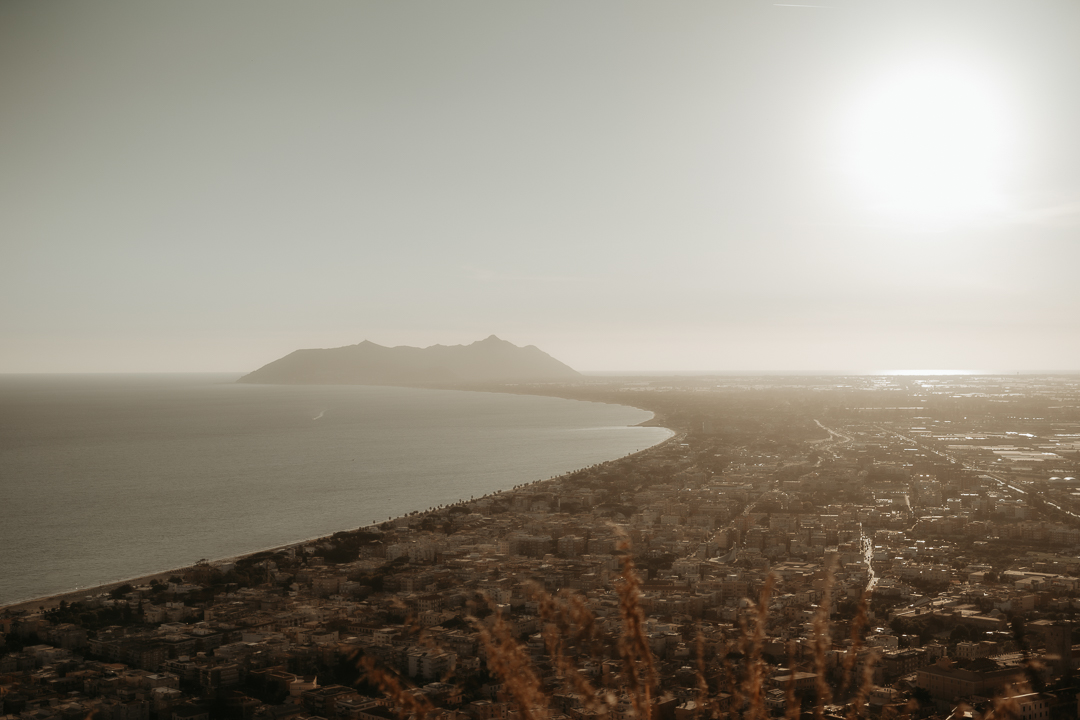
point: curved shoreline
(50, 601)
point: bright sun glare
(928, 145)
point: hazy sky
(730, 185)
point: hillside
(486, 361)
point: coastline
(47, 602)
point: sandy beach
(52, 601)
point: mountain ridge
(491, 360)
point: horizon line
(914, 372)
(911, 372)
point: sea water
(109, 477)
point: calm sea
(110, 477)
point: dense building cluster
(826, 548)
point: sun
(928, 144)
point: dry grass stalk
(755, 666)
(413, 628)
(634, 650)
(507, 660)
(822, 642)
(866, 684)
(911, 706)
(1005, 706)
(406, 702)
(862, 619)
(730, 681)
(572, 638)
(568, 621)
(701, 700)
(794, 705)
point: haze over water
(109, 477)
(724, 186)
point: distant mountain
(486, 361)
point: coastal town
(827, 547)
